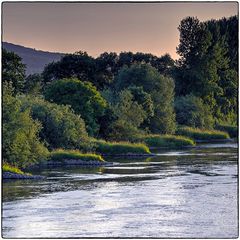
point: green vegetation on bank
(8, 168)
(130, 100)
(61, 155)
(120, 147)
(231, 130)
(170, 141)
(201, 134)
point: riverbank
(61, 157)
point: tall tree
(13, 70)
(205, 64)
(161, 89)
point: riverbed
(186, 193)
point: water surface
(188, 193)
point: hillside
(35, 60)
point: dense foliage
(191, 111)
(159, 87)
(61, 128)
(21, 146)
(83, 97)
(130, 97)
(208, 64)
(13, 71)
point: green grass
(120, 147)
(171, 141)
(200, 134)
(61, 155)
(8, 168)
(231, 130)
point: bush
(61, 155)
(83, 97)
(61, 128)
(120, 147)
(231, 130)
(21, 145)
(191, 111)
(170, 141)
(8, 168)
(201, 134)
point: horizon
(104, 27)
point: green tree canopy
(161, 89)
(129, 115)
(21, 146)
(79, 65)
(83, 97)
(13, 70)
(207, 64)
(61, 128)
(191, 111)
(33, 84)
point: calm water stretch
(189, 193)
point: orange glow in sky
(100, 27)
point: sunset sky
(100, 27)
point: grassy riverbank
(169, 141)
(8, 168)
(231, 130)
(201, 134)
(105, 147)
(61, 155)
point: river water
(189, 193)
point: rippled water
(190, 193)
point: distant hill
(35, 60)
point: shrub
(201, 134)
(61, 128)
(231, 130)
(166, 141)
(120, 147)
(21, 145)
(61, 154)
(191, 111)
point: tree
(13, 70)
(61, 128)
(106, 65)
(191, 111)
(33, 84)
(145, 100)
(21, 146)
(164, 64)
(83, 97)
(78, 65)
(161, 89)
(205, 64)
(129, 116)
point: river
(188, 193)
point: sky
(104, 27)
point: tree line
(119, 96)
